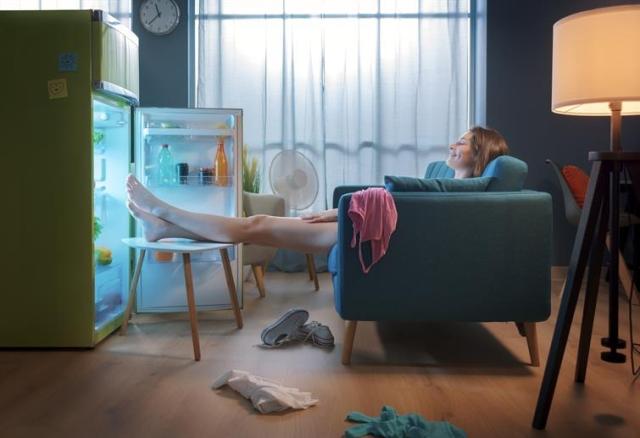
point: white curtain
(120, 9)
(362, 88)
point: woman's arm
(323, 216)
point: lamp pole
(612, 342)
(616, 122)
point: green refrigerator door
(49, 297)
(46, 179)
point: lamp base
(613, 357)
(619, 343)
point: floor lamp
(596, 72)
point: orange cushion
(578, 181)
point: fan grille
(293, 176)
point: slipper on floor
(285, 328)
(316, 333)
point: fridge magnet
(68, 61)
(57, 88)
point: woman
(310, 234)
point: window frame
(476, 70)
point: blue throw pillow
(409, 184)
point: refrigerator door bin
(109, 293)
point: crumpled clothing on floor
(266, 395)
(391, 425)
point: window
(363, 88)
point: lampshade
(596, 60)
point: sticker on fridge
(57, 88)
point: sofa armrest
(342, 190)
(453, 256)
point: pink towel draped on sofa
(374, 216)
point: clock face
(159, 16)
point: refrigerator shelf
(187, 132)
(105, 269)
(193, 181)
(110, 123)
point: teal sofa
(501, 237)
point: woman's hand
(323, 216)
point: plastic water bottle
(166, 168)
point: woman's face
(461, 156)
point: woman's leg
(155, 228)
(281, 232)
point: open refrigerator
(71, 132)
(194, 139)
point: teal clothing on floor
(391, 425)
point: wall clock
(159, 17)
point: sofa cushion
(409, 184)
(578, 182)
(438, 169)
(508, 174)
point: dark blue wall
(164, 61)
(519, 45)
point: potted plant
(250, 173)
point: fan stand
(313, 275)
(296, 183)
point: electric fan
(292, 176)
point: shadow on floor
(464, 348)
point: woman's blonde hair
(487, 144)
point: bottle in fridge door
(166, 171)
(220, 167)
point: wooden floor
(473, 375)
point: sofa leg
(347, 347)
(528, 329)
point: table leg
(258, 274)
(228, 275)
(188, 281)
(132, 293)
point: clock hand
(158, 10)
(154, 19)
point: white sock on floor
(266, 395)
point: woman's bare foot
(153, 227)
(142, 198)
